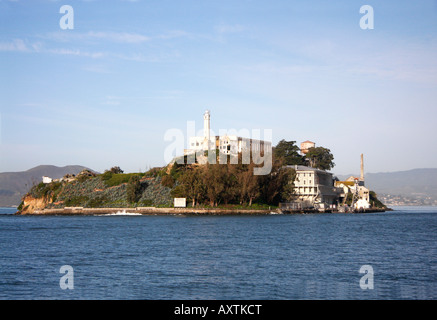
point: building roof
(305, 168)
(308, 141)
(353, 178)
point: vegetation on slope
(208, 185)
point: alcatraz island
(299, 181)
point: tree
(374, 201)
(287, 182)
(191, 185)
(230, 181)
(168, 181)
(279, 184)
(116, 170)
(289, 151)
(133, 189)
(214, 184)
(249, 184)
(320, 158)
(213, 180)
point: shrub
(83, 178)
(116, 170)
(152, 172)
(79, 201)
(119, 178)
(106, 176)
(133, 190)
(45, 189)
(375, 201)
(168, 181)
(97, 202)
(145, 203)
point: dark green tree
(116, 170)
(279, 184)
(191, 185)
(289, 151)
(320, 158)
(374, 201)
(133, 191)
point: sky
(105, 91)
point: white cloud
(14, 45)
(19, 45)
(112, 101)
(75, 53)
(115, 37)
(121, 37)
(97, 69)
(118, 37)
(225, 28)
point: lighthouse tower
(206, 129)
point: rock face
(30, 204)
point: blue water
(315, 256)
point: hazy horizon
(104, 93)
(332, 171)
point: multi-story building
(314, 187)
(305, 146)
(227, 144)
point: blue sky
(105, 92)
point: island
(226, 174)
(209, 189)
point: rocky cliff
(31, 204)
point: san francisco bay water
(276, 257)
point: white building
(361, 195)
(306, 145)
(227, 144)
(314, 187)
(46, 179)
(355, 186)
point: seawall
(145, 211)
(174, 211)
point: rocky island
(209, 189)
(218, 175)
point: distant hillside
(407, 183)
(13, 185)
